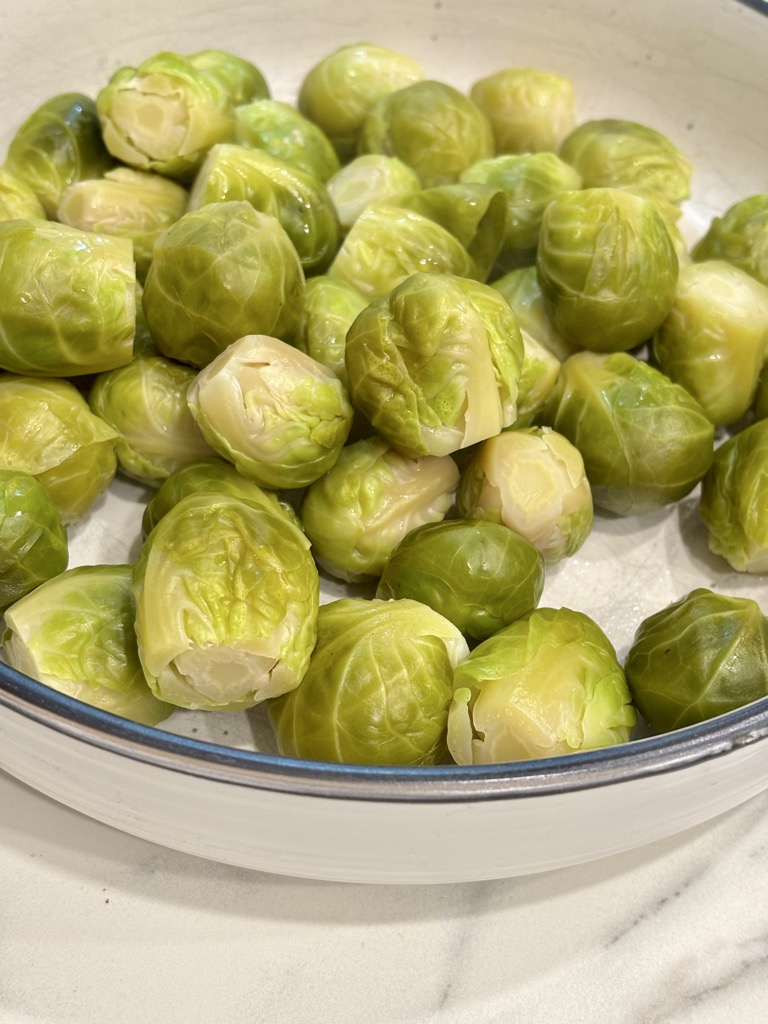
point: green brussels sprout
(244, 82)
(435, 365)
(68, 301)
(331, 306)
(377, 689)
(282, 131)
(299, 201)
(227, 596)
(431, 127)
(521, 289)
(48, 431)
(143, 343)
(75, 634)
(33, 543)
(734, 497)
(18, 201)
(165, 114)
(478, 574)
(714, 339)
(146, 402)
(217, 274)
(339, 90)
(646, 442)
(611, 153)
(699, 657)
(740, 236)
(607, 268)
(211, 474)
(278, 415)
(126, 203)
(530, 110)
(358, 513)
(533, 481)
(373, 178)
(387, 244)
(59, 143)
(474, 213)
(548, 684)
(529, 181)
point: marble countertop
(98, 927)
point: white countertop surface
(98, 927)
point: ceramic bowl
(211, 784)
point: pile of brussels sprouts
(395, 335)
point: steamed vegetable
(645, 441)
(373, 496)
(68, 299)
(367, 179)
(734, 499)
(378, 686)
(549, 683)
(48, 431)
(699, 657)
(217, 274)
(277, 414)
(533, 481)
(75, 634)
(740, 236)
(480, 575)
(530, 110)
(282, 131)
(227, 597)
(33, 543)
(435, 365)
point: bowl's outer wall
(694, 69)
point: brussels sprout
(432, 127)
(701, 656)
(538, 376)
(338, 92)
(358, 513)
(612, 153)
(734, 499)
(243, 81)
(529, 181)
(33, 543)
(278, 415)
(715, 338)
(126, 203)
(48, 431)
(217, 274)
(59, 143)
(533, 481)
(75, 634)
(227, 597)
(165, 114)
(607, 268)
(740, 236)
(645, 441)
(282, 131)
(478, 574)
(373, 178)
(146, 402)
(530, 110)
(377, 689)
(299, 201)
(435, 366)
(387, 244)
(330, 308)
(214, 475)
(68, 302)
(521, 289)
(18, 201)
(475, 213)
(548, 684)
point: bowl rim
(636, 759)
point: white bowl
(210, 784)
